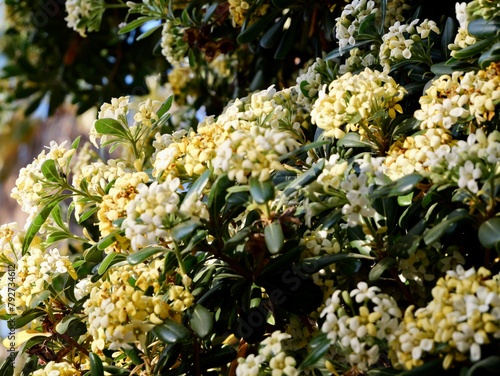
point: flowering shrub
(347, 224)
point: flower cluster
(60, 369)
(349, 102)
(452, 99)
(33, 187)
(271, 357)
(362, 321)
(84, 15)
(463, 316)
(173, 46)
(120, 312)
(238, 10)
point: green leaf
(148, 32)
(367, 26)
(481, 28)
(96, 367)
(135, 24)
(111, 259)
(110, 127)
(487, 366)
(287, 40)
(313, 265)
(271, 37)
(93, 254)
(251, 32)
(379, 269)
(50, 171)
(201, 321)
(196, 189)
(39, 221)
(352, 140)
(436, 232)
(399, 187)
(337, 52)
(218, 357)
(7, 367)
(165, 107)
(62, 326)
(134, 355)
(217, 195)
(306, 178)
(489, 233)
(274, 237)
(185, 229)
(144, 254)
(56, 236)
(107, 240)
(76, 143)
(283, 262)
(239, 238)
(28, 316)
(88, 214)
(261, 191)
(405, 200)
(474, 49)
(319, 347)
(490, 56)
(448, 36)
(171, 332)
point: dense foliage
(342, 219)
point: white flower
(468, 176)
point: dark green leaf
(87, 214)
(28, 316)
(218, 357)
(319, 347)
(448, 36)
(49, 170)
(436, 232)
(217, 195)
(489, 233)
(377, 271)
(313, 265)
(487, 366)
(481, 28)
(185, 229)
(148, 32)
(367, 26)
(251, 32)
(62, 326)
(93, 254)
(144, 254)
(337, 52)
(274, 237)
(171, 332)
(474, 49)
(287, 40)
(490, 56)
(283, 262)
(400, 187)
(96, 367)
(107, 240)
(7, 367)
(306, 178)
(134, 355)
(261, 191)
(201, 321)
(271, 37)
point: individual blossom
(146, 114)
(463, 315)
(53, 368)
(350, 101)
(363, 322)
(149, 214)
(468, 176)
(11, 243)
(84, 15)
(358, 205)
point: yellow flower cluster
(238, 10)
(57, 369)
(414, 153)
(31, 186)
(113, 206)
(11, 242)
(319, 242)
(34, 270)
(361, 331)
(463, 315)
(452, 99)
(119, 311)
(351, 100)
